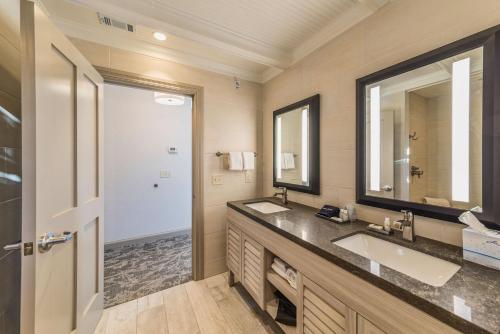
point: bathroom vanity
(339, 291)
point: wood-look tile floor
(207, 306)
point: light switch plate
(164, 173)
(217, 179)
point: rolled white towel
(278, 271)
(291, 277)
(280, 263)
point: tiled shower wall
(10, 165)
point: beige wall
(418, 148)
(231, 117)
(399, 31)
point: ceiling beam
(116, 40)
(145, 16)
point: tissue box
(481, 248)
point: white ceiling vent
(106, 20)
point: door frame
(112, 76)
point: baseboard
(145, 238)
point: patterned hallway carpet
(146, 266)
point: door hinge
(28, 248)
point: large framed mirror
(296, 146)
(425, 132)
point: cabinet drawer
(252, 275)
(321, 313)
(233, 256)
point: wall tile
(215, 218)
(393, 34)
(10, 173)
(10, 120)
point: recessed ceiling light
(159, 36)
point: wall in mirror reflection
(424, 133)
(292, 147)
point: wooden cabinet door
(252, 275)
(366, 327)
(233, 255)
(321, 313)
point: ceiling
(250, 39)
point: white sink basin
(423, 267)
(266, 207)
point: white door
(62, 282)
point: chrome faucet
(408, 225)
(283, 193)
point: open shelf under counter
(272, 310)
(283, 286)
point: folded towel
(288, 161)
(248, 160)
(278, 270)
(291, 277)
(437, 201)
(280, 263)
(235, 160)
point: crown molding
(113, 39)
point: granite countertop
(469, 301)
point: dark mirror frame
(490, 41)
(313, 103)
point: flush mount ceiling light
(169, 99)
(159, 36)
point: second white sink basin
(423, 267)
(266, 207)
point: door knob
(50, 239)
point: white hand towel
(283, 162)
(235, 161)
(291, 276)
(248, 160)
(289, 161)
(280, 263)
(278, 271)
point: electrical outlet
(164, 173)
(217, 179)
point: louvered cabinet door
(321, 313)
(234, 250)
(253, 269)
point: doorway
(147, 191)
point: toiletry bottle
(351, 212)
(387, 224)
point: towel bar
(220, 154)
